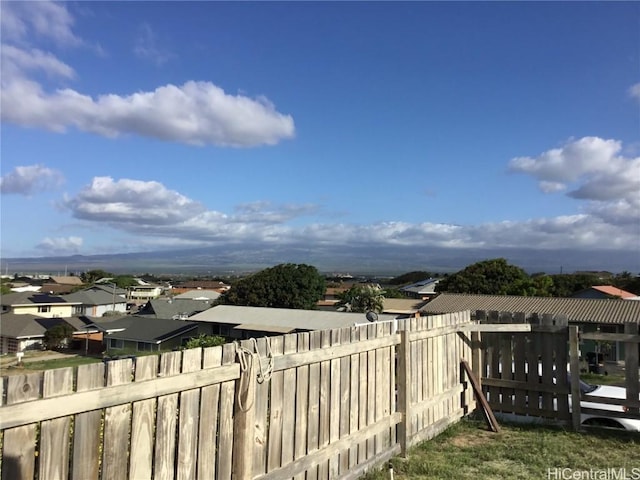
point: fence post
(404, 389)
(244, 419)
(631, 365)
(476, 356)
(574, 370)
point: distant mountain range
(359, 260)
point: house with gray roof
(233, 321)
(423, 289)
(143, 334)
(39, 304)
(172, 308)
(20, 332)
(96, 302)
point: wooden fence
(537, 373)
(317, 405)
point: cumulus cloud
(591, 169)
(30, 179)
(126, 202)
(159, 216)
(60, 246)
(196, 112)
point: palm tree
(362, 298)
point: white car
(602, 419)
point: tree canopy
(58, 336)
(489, 277)
(362, 298)
(286, 285)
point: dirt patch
(473, 439)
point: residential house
(239, 322)
(604, 291)
(62, 284)
(331, 298)
(589, 314)
(39, 304)
(214, 285)
(144, 291)
(198, 294)
(20, 332)
(402, 306)
(96, 302)
(423, 290)
(139, 334)
(171, 308)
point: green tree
(92, 276)
(124, 281)
(489, 277)
(362, 298)
(286, 285)
(205, 341)
(58, 336)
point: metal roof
(263, 317)
(582, 310)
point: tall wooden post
(404, 390)
(631, 365)
(574, 370)
(244, 421)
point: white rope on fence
(247, 359)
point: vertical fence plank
(314, 404)
(142, 423)
(261, 413)
(325, 408)
(354, 399)
(276, 392)
(345, 397)
(362, 394)
(225, 431)
(209, 408)
(166, 415)
(87, 426)
(19, 443)
(302, 404)
(289, 403)
(334, 409)
(54, 434)
(188, 421)
(115, 457)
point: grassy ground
(47, 364)
(469, 451)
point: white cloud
(27, 180)
(159, 216)
(48, 20)
(592, 169)
(196, 112)
(634, 91)
(146, 46)
(60, 246)
(127, 202)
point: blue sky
(140, 126)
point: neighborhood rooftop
(576, 309)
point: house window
(116, 343)
(144, 347)
(44, 308)
(78, 310)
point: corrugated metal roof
(582, 310)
